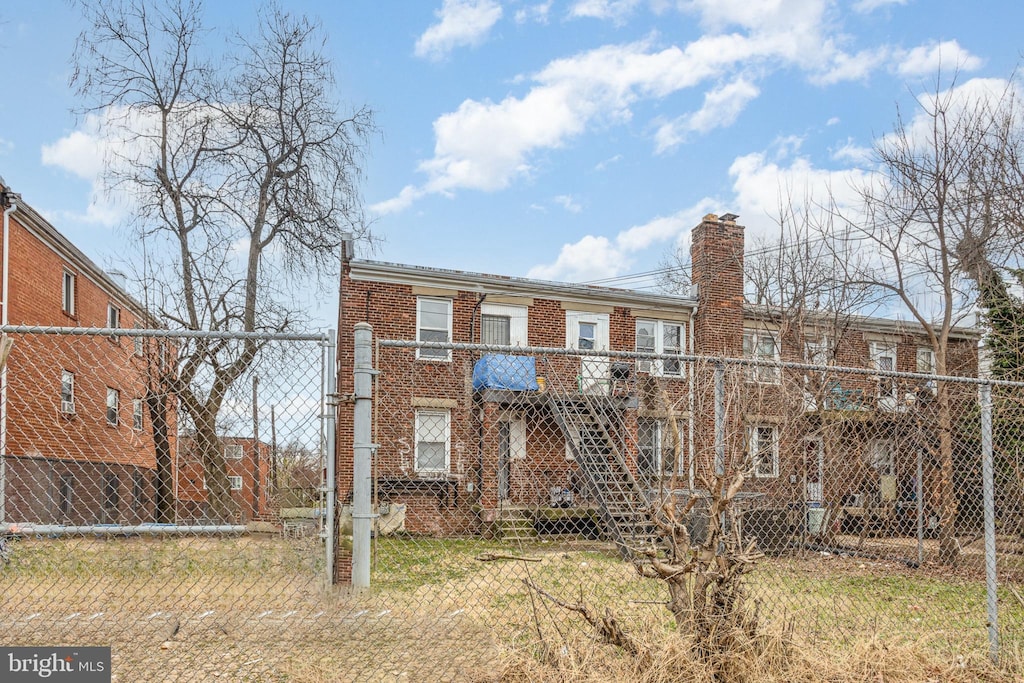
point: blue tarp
(515, 373)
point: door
(504, 460)
(814, 466)
(589, 331)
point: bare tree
(244, 177)
(946, 190)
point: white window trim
(235, 482)
(113, 316)
(755, 449)
(138, 416)
(890, 461)
(419, 351)
(762, 374)
(447, 441)
(67, 407)
(116, 395)
(925, 352)
(653, 366)
(661, 431)
(878, 351)
(230, 448)
(69, 282)
(518, 329)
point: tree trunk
(156, 406)
(222, 507)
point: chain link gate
(513, 488)
(193, 547)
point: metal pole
(330, 409)
(362, 455)
(988, 496)
(919, 496)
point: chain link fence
(512, 486)
(189, 541)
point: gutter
(12, 198)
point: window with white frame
(883, 359)
(233, 451)
(137, 342)
(433, 324)
(661, 337)
(67, 392)
(882, 456)
(503, 324)
(660, 448)
(764, 450)
(512, 437)
(926, 366)
(137, 414)
(113, 404)
(433, 440)
(68, 293)
(113, 316)
(761, 345)
(236, 482)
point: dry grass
(255, 609)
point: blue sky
(567, 140)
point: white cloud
(929, 59)
(832, 121)
(403, 201)
(538, 13)
(721, 109)
(567, 202)
(462, 23)
(79, 152)
(594, 257)
(601, 165)
(612, 10)
(487, 145)
(865, 6)
(851, 153)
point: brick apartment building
(248, 468)
(75, 440)
(457, 454)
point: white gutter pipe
(4, 319)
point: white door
(814, 466)
(586, 332)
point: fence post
(362, 453)
(330, 473)
(988, 496)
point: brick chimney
(716, 255)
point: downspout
(12, 199)
(482, 413)
(692, 373)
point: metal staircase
(587, 423)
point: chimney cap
(729, 217)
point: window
(764, 451)
(503, 325)
(68, 293)
(138, 491)
(656, 336)
(111, 491)
(113, 403)
(138, 341)
(926, 366)
(761, 345)
(113, 316)
(659, 447)
(233, 451)
(236, 482)
(883, 359)
(67, 392)
(587, 333)
(66, 493)
(881, 457)
(137, 414)
(434, 324)
(817, 352)
(432, 440)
